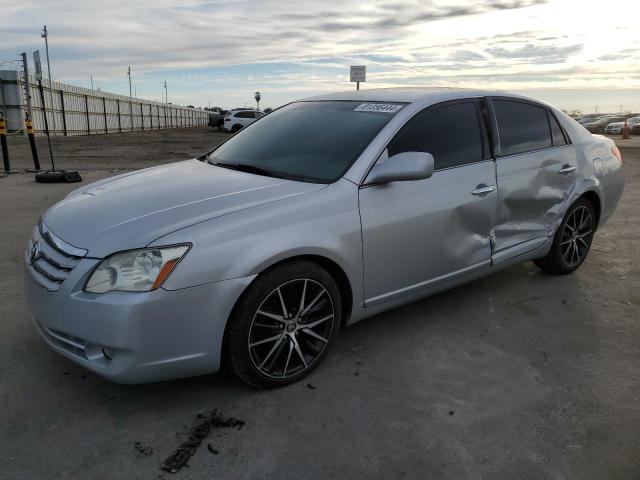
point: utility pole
(45, 35)
(166, 98)
(91, 82)
(129, 74)
(27, 86)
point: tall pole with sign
(257, 97)
(38, 66)
(358, 74)
(45, 35)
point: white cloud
(290, 48)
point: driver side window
(451, 133)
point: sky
(575, 54)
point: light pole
(45, 35)
(129, 74)
(166, 98)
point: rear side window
(556, 132)
(244, 114)
(522, 127)
(451, 133)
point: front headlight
(136, 270)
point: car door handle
(483, 189)
(566, 169)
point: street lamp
(129, 74)
(165, 92)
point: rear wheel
(283, 325)
(572, 241)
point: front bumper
(134, 337)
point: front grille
(50, 259)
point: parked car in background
(590, 117)
(616, 127)
(599, 125)
(635, 130)
(216, 118)
(236, 120)
(586, 120)
(327, 211)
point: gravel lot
(518, 375)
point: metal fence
(75, 110)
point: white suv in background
(235, 120)
(616, 127)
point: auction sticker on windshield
(378, 107)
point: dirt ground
(518, 375)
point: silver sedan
(325, 212)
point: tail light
(617, 154)
(227, 119)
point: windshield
(308, 141)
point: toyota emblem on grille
(35, 253)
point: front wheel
(283, 324)
(572, 241)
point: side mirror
(401, 167)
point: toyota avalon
(318, 215)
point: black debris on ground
(199, 430)
(142, 450)
(212, 450)
(451, 412)
(311, 386)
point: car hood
(132, 210)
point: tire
(570, 249)
(266, 344)
(236, 128)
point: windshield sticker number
(378, 107)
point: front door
(420, 235)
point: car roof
(411, 95)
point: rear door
(419, 235)
(536, 173)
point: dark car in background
(216, 118)
(599, 125)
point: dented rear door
(536, 170)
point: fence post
(5, 149)
(164, 109)
(32, 144)
(119, 118)
(64, 113)
(151, 116)
(131, 113)
(141, 117)
(104, 110)
(86, 106)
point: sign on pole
(36, 60)
(358, 73)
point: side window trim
(567, 139)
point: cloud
(228, 49)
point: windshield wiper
(241, 167)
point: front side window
(451, 133)
(522, 127)
(307, 141)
